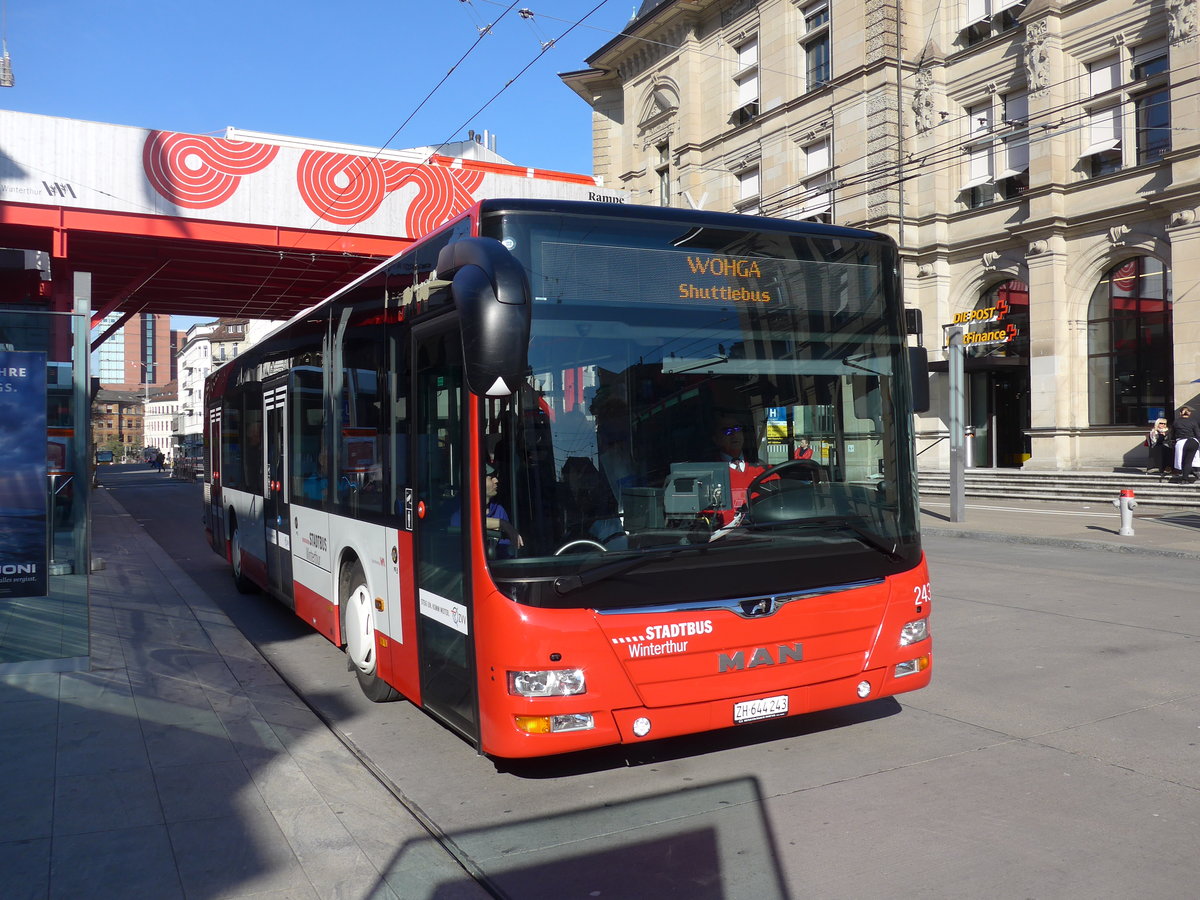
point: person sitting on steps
(1185, 431)
(1159, 442)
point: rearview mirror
(918, 371)
(493, 299)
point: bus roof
(694, 218)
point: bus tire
(358, 631)
(243, 584)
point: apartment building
(1037, 162)
(206, 346)
(162, 416)
(118, 423)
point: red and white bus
(492, 470)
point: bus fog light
(549, 724)
(547, 683)
(912, 666)
(572, 722)
(864, 689)
(915, 631)
(641, 726)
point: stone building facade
(207, 346)
(118, 423)
(1037, 162)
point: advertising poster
(23, 523)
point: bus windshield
(700, 397)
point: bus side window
(365, 425)
(231, 440)
(252, 421)
(308, 460)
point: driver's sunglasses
(733, 429)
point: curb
(1063, 543)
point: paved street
(1055, 754)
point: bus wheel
(243, 584)
(358, 629)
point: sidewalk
(180, 764)
(1158, 531)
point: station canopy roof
(262, 277)
(245, 225)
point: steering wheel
(764, 488)
(580, 542)
(494, 536)
(616, 535)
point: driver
(495, 516)
(729, 439)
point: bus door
(276, 517)
(445, 644)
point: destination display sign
(585, 273)
(724, 278)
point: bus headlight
(547, 683)
(912, 632)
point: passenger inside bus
(316, 482)
(589, 505)
(496, 520)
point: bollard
(1126, 504)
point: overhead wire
(482, 32)
(546, 47)
(951, 147)
(483, 29)
(948, 154)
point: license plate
(762, 708)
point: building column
(1052, 405)
(1185, 288)
(81, 419)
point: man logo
(760, 606)
(761, 656)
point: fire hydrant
(1126, 504)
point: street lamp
(147, 373)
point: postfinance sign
(992, 315)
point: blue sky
(353, 71)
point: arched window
(1130, 347)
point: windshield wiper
(564, 584)
(890, 549)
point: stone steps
(1092, 487)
